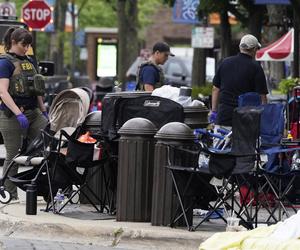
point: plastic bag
(166, 91)
(184, 100)
(86, 138)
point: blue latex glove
(22, 119)
(45, 113)
(213, 116)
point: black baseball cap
(162, 47)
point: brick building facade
(164, 29)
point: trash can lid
(138, 126)
(128, 94)
(93, 118)
(188, 109)
(175, 130)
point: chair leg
(189, 227)
(191, 206)
(281, 197)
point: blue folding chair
(279, 176)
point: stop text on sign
(36, 14)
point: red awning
(280, 50)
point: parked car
(177, 70)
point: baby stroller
(68, 110)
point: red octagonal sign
(36, 14)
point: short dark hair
(162, 47)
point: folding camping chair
(275, 176)
(222, 163)
(100, 178)
(280, 171)
(76, 163)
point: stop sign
(36, 14)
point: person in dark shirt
(150, 74)
(22, 111)
(235, 76)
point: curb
(109, 233)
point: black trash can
(164, 200)
(135, 170)
(196, 117)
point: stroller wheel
(75, 199)
(5, 196)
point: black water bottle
(31, 199)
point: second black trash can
(164, 201)
(135, 170)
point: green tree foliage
(97, 13)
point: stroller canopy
(69, 109)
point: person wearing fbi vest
(22, 111)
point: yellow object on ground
(267, 244)
(238, 240)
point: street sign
(36, 14)
(7, 9)
(203, 37)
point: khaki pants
(12, 135)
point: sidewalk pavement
(102, 230)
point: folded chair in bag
(229, 164)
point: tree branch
(81, 6)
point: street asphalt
(10, 243)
